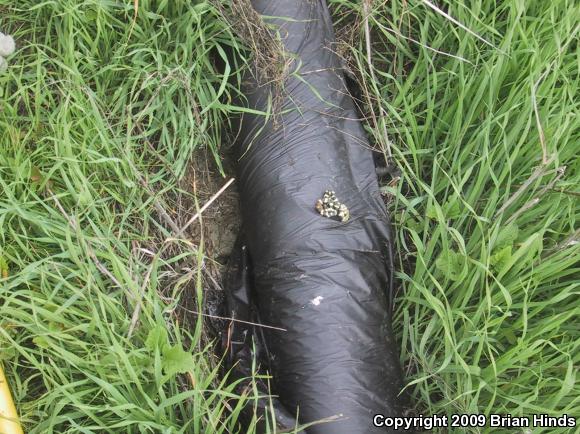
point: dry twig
(538, 173)
(204, 207)
(560, 172)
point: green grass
(488, 309)
(98, 121)
(99, 118)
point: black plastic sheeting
(322, 283)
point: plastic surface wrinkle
(323, 281)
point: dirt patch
(219, 224)
(216, 231)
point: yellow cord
(9, 423)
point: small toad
(330, 207)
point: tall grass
(100, 112)
(486, 135)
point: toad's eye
(329, 206)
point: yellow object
(9, 423)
